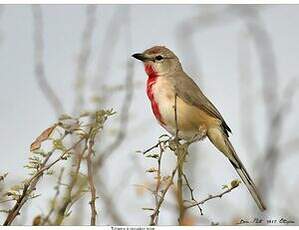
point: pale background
(216, 47)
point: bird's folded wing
(189, 92)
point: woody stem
(180, 162)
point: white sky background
(25, 112)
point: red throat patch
(152, 78)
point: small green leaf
(57, 144)
(225, 186)
(235, 183)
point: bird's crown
(160, 50)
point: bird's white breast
(164, 95)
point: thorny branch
(192, 193)
(108, 151)
(234, 184)
(40, 167)
(156, 212)
(158, 184)
(164, 183)
(120, 137)
(91, 180)
(30, 185)
(69, 197)
(276, 123)
(180, 151)
(159, 144)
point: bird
(195, 116)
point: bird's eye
(158, 58)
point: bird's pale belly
(192, 122)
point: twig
(122, 131)
(30, 184)
(213, 197)
(158, 175)
(180, 151)
(27, 189)
(125, 106)
(158, 144)
(91, 182)
(156, 212)
(96, 126)
(180, 190)
(68, 198)
(54, 202)
(192, 193)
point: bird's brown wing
(189, 92)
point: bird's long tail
(221, 141)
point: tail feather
(221, 141)
(251, 188)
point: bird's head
(159, 60)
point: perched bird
(169, 87)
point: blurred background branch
(84, 56)
(43, 83)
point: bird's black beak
(140, 57)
